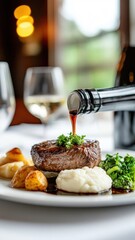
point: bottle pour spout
(83, 101)
(73, 102)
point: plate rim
(47, 199)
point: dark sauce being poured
(73, 118)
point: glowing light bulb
(25, 19)
(25, 29)
(22, 10)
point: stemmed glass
(43, 92)
(7, 98)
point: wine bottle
(83, 101)
(124, 121)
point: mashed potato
(84, 180)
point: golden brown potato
(36, 181)
(15, 155)
(18, 180)
(8, 170)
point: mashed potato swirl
(84, 180)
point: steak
(47, 156)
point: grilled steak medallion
(47, 156)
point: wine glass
(7, 98)
(43, 92)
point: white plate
(46, 199)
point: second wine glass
(43, 92)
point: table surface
(22, 221)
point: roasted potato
(8, 170)
(15, 155)
(36, 181)
(18, 180)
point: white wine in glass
(44, 92)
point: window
(88, 42)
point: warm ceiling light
(25, 29)
(22, 10)
(25, 19)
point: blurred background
(83, 37)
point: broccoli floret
(121, 170)
(123, 182)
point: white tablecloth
(21, 221)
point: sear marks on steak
(47, 156)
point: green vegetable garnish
(69, 141)
(121, 170)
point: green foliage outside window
(88, 62)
